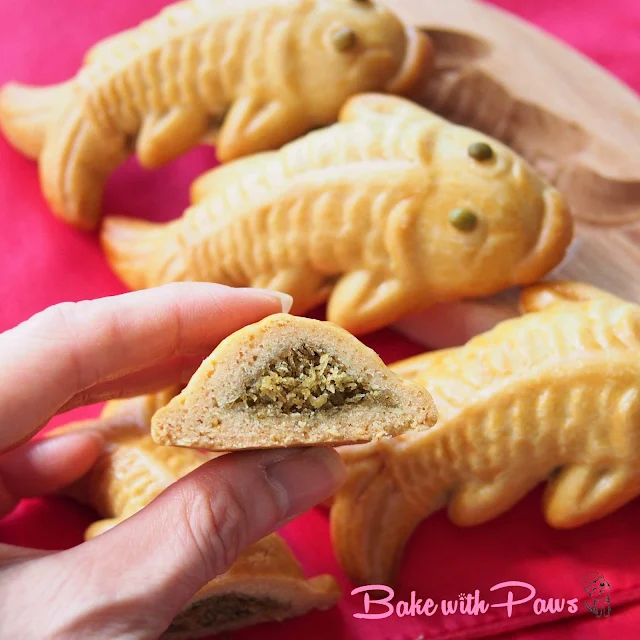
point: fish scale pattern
(599, 326)
(527, 423)
(551, 397)
(240, 74)
(170, 64)
(135, 471)
(358, 213)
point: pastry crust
(289, 381)
(265, 583)
(251, 74)
(133, 469)
(382, 214)
(551, 396)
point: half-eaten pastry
(265, 583)
(290, 381)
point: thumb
(155, 561)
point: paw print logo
(462, 596)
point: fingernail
(303, 478)
(285, 300)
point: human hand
(132, 580)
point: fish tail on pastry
(77, 158)
(371, 522)
(143, 254)
(28, 113)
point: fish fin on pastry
(581, 493)
(378, 106)
(221, 177)
(477, 502)
(251, 126)
(360, 302)
(164, 138)
(143, 253)
(307, 287)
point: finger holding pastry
(186, 544)
(340, 191)
(289, 381)
(265, 582)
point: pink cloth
(43, 262)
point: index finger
(70, 347)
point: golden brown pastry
(551, 396)
(253, 74)
(391, 210)
(289, 381)
(265, 583)
(27, 113)
(133, 470)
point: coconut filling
(306, 380)
(224, 609)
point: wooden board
(576, 123)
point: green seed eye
(344, 39)
(480, 151)
(463, 219)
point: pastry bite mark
(289, 381)
(250, 75)
(380, 215)
(265, 582)
(552, 396)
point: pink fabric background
(43, 262)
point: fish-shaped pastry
(390, 210)
(552, 396)
(253, 74)
(265, 583)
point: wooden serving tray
(576, 123)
